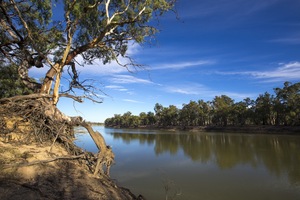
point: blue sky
(238, 48)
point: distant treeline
(283, 108)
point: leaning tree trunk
(55, 70)
(46, 87)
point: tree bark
(46, 87)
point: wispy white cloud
(226, 8)
(100, 69)
(235, 95)
(120, 89)
(285, 72)
(182, 65)
(294, 40)
(188, 89)
(116, 87)
(128, 79)
(113, 87)
(132, 101)
(195, 89)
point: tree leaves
(10, 82)
(36, 30)
(282, 109)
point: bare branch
(107, 11)
(75, 98)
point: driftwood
(105, 156)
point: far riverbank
(255, 129)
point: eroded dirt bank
(39, 160)
(32, 172)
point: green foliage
(267, 109)
(119, 22)
(222, 106)
(27, 26)
(10, 82)
(263, 109)
(39, 32)
(190, 114)
(286, 104)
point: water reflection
(279, 154)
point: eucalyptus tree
(239, 113)
(264, 109)
(166, 116)
(151, 118)
(158, 109)
(147, 119)
(37, 33)
(222, 106)
(250, 112)
(287, 105)
(204, 112)
(126, 119)
(189, 114)
(143, 119)
(170, 116)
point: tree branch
(75, 98)
(10, 22)
(22, 20)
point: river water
(179, 165)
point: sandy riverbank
(33, 172)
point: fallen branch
(24, 97)
(43, 161)
(40, 95)
(105, 156)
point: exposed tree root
(33, 118)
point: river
(181, 165)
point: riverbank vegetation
(282, 108)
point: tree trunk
(46, 87)
(56, 88)
(55, 70)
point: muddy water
(203, 166)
